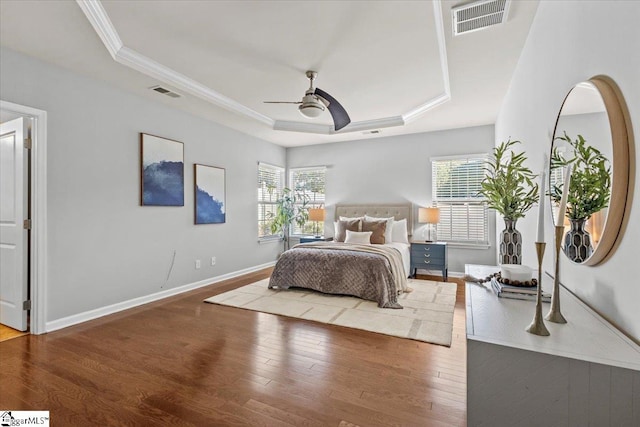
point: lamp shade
(316, 214)
(428, 215)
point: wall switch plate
(197, 263)
(213, 260)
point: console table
(586, 373)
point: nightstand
(429, 256)
(308, 239)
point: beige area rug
(427, 314)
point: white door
(13, 236)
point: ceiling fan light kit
(315, 101)
(311, 107)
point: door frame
(38, 235)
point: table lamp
(429, 216)
(315, 215)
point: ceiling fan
(315, 101)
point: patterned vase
(577, 242)
(510, 243)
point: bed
(375, 272)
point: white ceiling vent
(479, 15)
(165, 91)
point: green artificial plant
(291, 206)
(590, 185)
(508, 185)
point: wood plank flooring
(182, 362)
(7, 333)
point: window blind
(464, 216)
(270, 186)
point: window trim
(458, 157)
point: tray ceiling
(393, 65)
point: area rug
(427, 314)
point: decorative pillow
(377, 229)
(399, 233)
(346, 218)
(360, 237)
(388, 231)
(343, 226)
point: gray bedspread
(371, 272)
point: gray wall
(103, 247)
(395, 169)
(571, 42)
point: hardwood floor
(7, 333)
(182, 362)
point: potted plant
(291, 207)
(589, 191)
(510, 190)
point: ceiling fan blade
(338, 113)
(282, 102)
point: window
(310, 182)
(464, 216)
(270, 185)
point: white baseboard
(65, 322)
(439, 272)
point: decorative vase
(577, 241)
(510, 243)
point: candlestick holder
(554, 314)
(537, 326)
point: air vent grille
(165, 91)
(479, 15)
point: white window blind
(270, 186)
(311, 183)
(464, 216)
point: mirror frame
(621, 164)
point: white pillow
(388, 232)
(360, 237)
(400, 233)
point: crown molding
(148, 66)
(444, 67)
(418, 111)
(365, 125)
(386, 122)
(101, 23)
(291, 126)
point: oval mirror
(591, 136)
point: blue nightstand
(429, 256)
(308, 239)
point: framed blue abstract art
(162, 171)
(209, 194)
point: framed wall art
(209, 184)
(162, 171)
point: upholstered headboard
(397, 211)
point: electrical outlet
(213, 260)
(197, 263)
